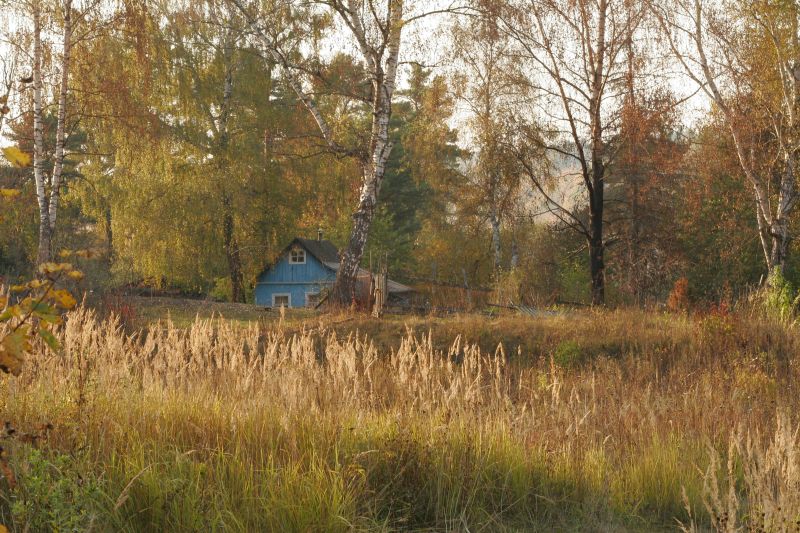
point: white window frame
(288, 298)
(292, 261)
(318, 294)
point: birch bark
(38, 140)
(48, 187)
(58, 163)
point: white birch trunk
(58, 164)
(380, 149)
(38, 140)
(494, 220)
(48, 190)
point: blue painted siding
(295, 280)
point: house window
(312, 299)
(281, 300)
(297, 256)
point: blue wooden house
(302, 273)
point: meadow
(614, 420)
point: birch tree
(56, 28)
(575, 53)
(744, 56)
(48, 185)
(492, 97)
(377, 30)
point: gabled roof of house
(324, 251)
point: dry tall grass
(218, 426)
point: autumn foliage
(678, 299)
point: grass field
(586, 421)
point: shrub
(678, 299)
(569, 354)
(779, 296)
(221, 291)
(51, 494)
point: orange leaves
(13, 348)
(679, 296)
(11, 479)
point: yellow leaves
(54, 268)
(17, 157)
(9, 193)
(85, 254)
(63, 298)
(47, 268)
(77, 275)
(36, 311)
(51, 269)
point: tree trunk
(344, 289)
(229, 243)
(109, 237)
(597, 248)
(496, 248)
(48, 199)
(43, 255)
(383, 82)
(779, 233)
(58, 163)
(779, 230)
(45, 250)
(597, 269)
(596, 245)
(232, 253)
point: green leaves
(48, 337)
